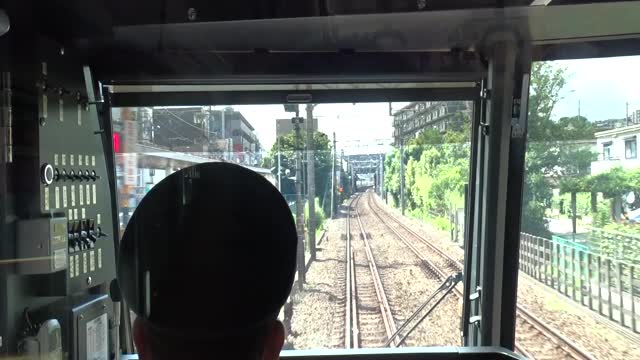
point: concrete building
(151, 143)
(635, 116)
(412, 119)
(608, 124)
(182, 129)
(201, 129)
(285, 126)
(617, 147)
(231, 124)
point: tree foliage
(288, 148)
(544, 93)
(559, 154)
(555, 155)
(436, 169)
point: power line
(181, 119)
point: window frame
(634, 142)
(606, 150)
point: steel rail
(383, 302)
(561, 341)
(351, 296)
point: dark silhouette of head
(206, 262)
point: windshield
(366, 266)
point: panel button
(46, 174)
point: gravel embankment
(317, 319)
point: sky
(360, 128)
(602, 86)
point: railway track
(368, 318)
(539, 341)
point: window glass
(580, 244)
(606, 151)
(383, 252)
(630, 148)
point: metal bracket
(475, 320)
(517, 131)
(485, 129)
(519, 110)
(88, 83)
(476, 295)
(485, 94)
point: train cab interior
(99, 100)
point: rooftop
(619, 131)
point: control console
(57, 233)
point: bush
(603, 216)
(441, 223)
(533, 221)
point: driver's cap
(211, 243)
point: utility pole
(223, 135)
(627, 117)
(311, 180)
(299, 205)
(279, 167)
(354, 183)
(222, 127)
(342, 170)
(333, 177)
(381, 179)
(578, 109)
(402, 174)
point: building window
(606, 151)
(630, 149)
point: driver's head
(206, 262)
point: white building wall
(617, 138)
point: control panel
(43, 244)
(66, 166)
(57, 249)
(67, 170)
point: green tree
(549, 159)
(574, 128)
(392, 175)
(457, 134)
(614, 183)
(544, 93)
(576, 160)
(436, 169)
(428, 136)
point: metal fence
(607, 286)
(616, 244)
